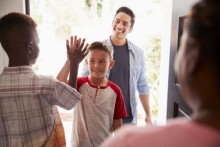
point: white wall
(7, 6)
(164, 64)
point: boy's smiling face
(99, 62)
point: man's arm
(146, 106)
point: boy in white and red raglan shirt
(102, 107)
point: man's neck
(117, 41)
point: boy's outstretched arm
(76, 51)
(64, 72)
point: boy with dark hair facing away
(27, 99)
(102, 107)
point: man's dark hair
(127, 11)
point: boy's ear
(29, 48)
(111, 64)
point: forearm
(64, 72)
(73, 74)
(146, 105)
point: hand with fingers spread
(76, 52)
(76, 49)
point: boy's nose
(96, 64)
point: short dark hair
(97, 45)
(127, 11)
(15, 19)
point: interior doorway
(58, 20)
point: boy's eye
(103, 61)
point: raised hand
(76, 49)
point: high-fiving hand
(76, 49)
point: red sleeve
(81, 81)
(120, 110)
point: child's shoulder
(114, 86)
(81, 81)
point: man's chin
(118, 36)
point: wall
(7, 6)
(166, 7)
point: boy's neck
(18, 63)
(101, 82)
(18, 58)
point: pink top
(178, 133)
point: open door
(176, 107)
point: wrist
(148, 115)
(73, 63)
